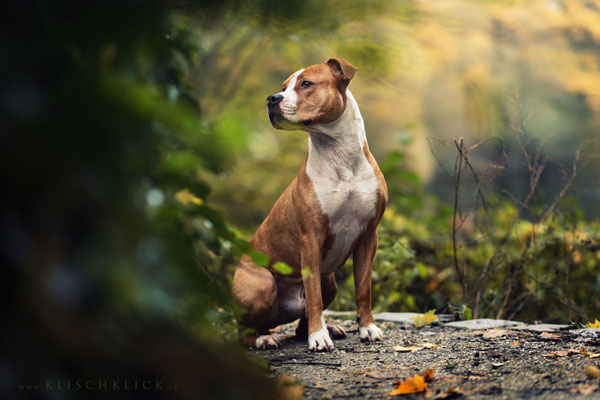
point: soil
(483, 364)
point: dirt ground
(485, 364)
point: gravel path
(479, 364)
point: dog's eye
(306, 84)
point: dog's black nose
(274, 99)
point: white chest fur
(343, 179)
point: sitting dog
(330, 211)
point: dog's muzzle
(274, 110)
(274, 100)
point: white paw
(267, 342)
(370, 333)
(320, 340)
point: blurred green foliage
(553, 279)
(114, 259)
(137, 160)
(521, 261)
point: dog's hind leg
(255, 292)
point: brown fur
(322, 102)
(296, 231)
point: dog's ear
(341, 69)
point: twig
(307, 363)
(574, 172)
(458, 166)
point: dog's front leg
(363, 256)
(318, 336)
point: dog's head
(312, 96)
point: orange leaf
(416, 384)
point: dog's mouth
(279, 121)
(273, 118)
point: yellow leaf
(425, 319)
(186, 197)
(596, 324)
(408, 349)
(416, 384)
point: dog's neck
(338, 146)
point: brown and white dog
(330, 211)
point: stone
(483, 323)
(541, 327)
(586, 332)
(404, 317)
(407, 317)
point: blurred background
(137, 160)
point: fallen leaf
(584, 389)
(425, 319)
(494, 333)
(562, 353)
(416, 384)
(407, 349)
(596, 324)
(550, 336)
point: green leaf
(307, 272)
(258, 258)
(240, 246)
(467, 313)
(283, 268)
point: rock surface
(541, 327)
(484, 323)
(482, 363)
